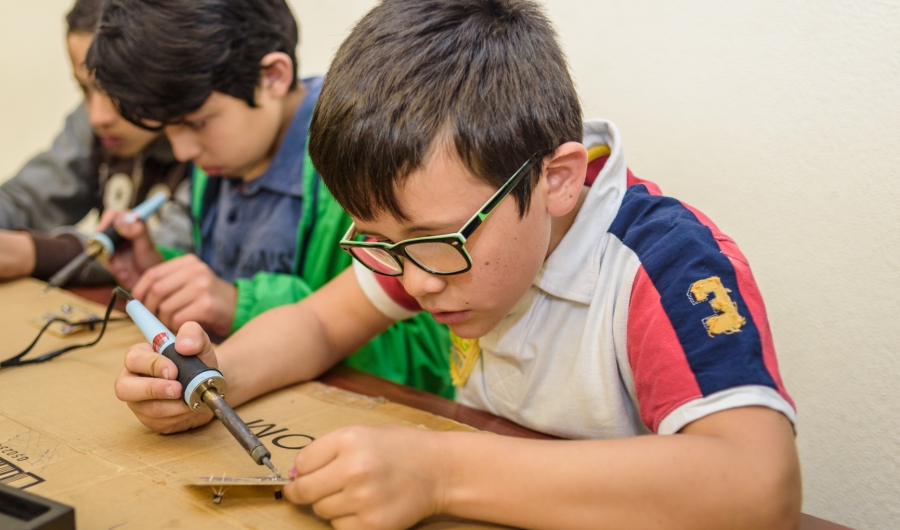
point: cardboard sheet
(65, 436)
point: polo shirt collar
(572, 270)
(285, 174)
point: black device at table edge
(20, 510)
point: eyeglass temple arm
(497, 198)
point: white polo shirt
(643, 319)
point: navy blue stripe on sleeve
(676, 249)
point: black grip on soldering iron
(189, 366)
(113, 236)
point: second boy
(224, 88)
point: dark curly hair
(83, 16)
(161, 59)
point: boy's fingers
(335, 507)
(139, 291)
(160, 285)
(316, 455)
(129, 226)
(314, 487)
(161, 416)
(132, 389)
(176, 304)
(350, 522)
(159, 281)
(142, 360)
(192, 340)
(107, 218)
(173, 423)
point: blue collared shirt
(252, 227)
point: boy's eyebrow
(442, 228)
(432, 229)
(195, 117)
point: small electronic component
(68, 320)
(221, 484)
(239, 481)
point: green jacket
(413, 352)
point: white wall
(36, 85)
(781, 121)
(778, 118)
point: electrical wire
(16, 360)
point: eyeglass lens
(434, 256)
(379, 260)
(439, 257)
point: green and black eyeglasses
(442, 254)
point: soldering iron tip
(269, 465)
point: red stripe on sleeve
(754, 301)
(752, 297)
(663, 380)
(652, 188)
(394, 289)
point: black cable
(15, 360)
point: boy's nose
(184, 144)
(419, 283)
(101, 110)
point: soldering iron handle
(192, 372)
(189, 366)
(149, 206)
(109, 239)
(114, 237)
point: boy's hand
(17, 254)
(136, 254)
(148, 383)
(370, 477)
(185, 289)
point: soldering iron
(204, 387)
(103, 243)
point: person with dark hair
(582, 302)
(220, 78)
(99, 161)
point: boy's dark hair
(484, 76)
(84, 16)
(162, 59)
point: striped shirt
(644, 319)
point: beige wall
(36, 85)
(779, 119)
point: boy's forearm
(280, 347)
(690, 481)
(299, 342)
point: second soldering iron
(103, 243)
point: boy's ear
(565, 173)
(277, 74)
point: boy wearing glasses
(583, 303)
